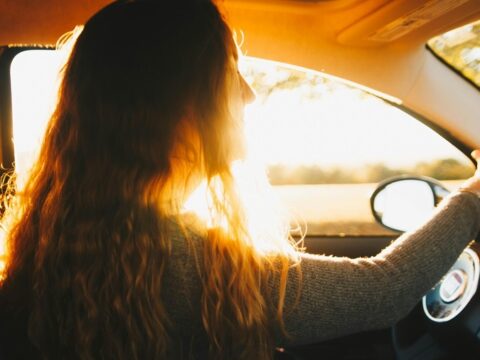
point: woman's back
(104, 264)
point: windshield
(460, 48)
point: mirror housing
(405, 202)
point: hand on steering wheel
(472, 185)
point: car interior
(363, 123)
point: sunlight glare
(35, 83)
(331, 124)
(263, 208)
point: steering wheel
(446, 323)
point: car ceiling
(376, 43)
(349, 22)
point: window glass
(326, 144)
(461, 49)
(34, 82)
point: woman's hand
(473, 184)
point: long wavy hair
(144, 98)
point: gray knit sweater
(340, 296)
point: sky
(340, 125)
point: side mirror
(405, 203)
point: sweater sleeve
(336, 296)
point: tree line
(444, 169)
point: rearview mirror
(405, 203)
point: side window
(34, 83)
(327, 145)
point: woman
(104, 264)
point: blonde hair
(90, 234)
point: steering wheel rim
(419, 336)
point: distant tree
(444, 169)
(379, 172)
(276, 174)
(273, 78)
(461, 49)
